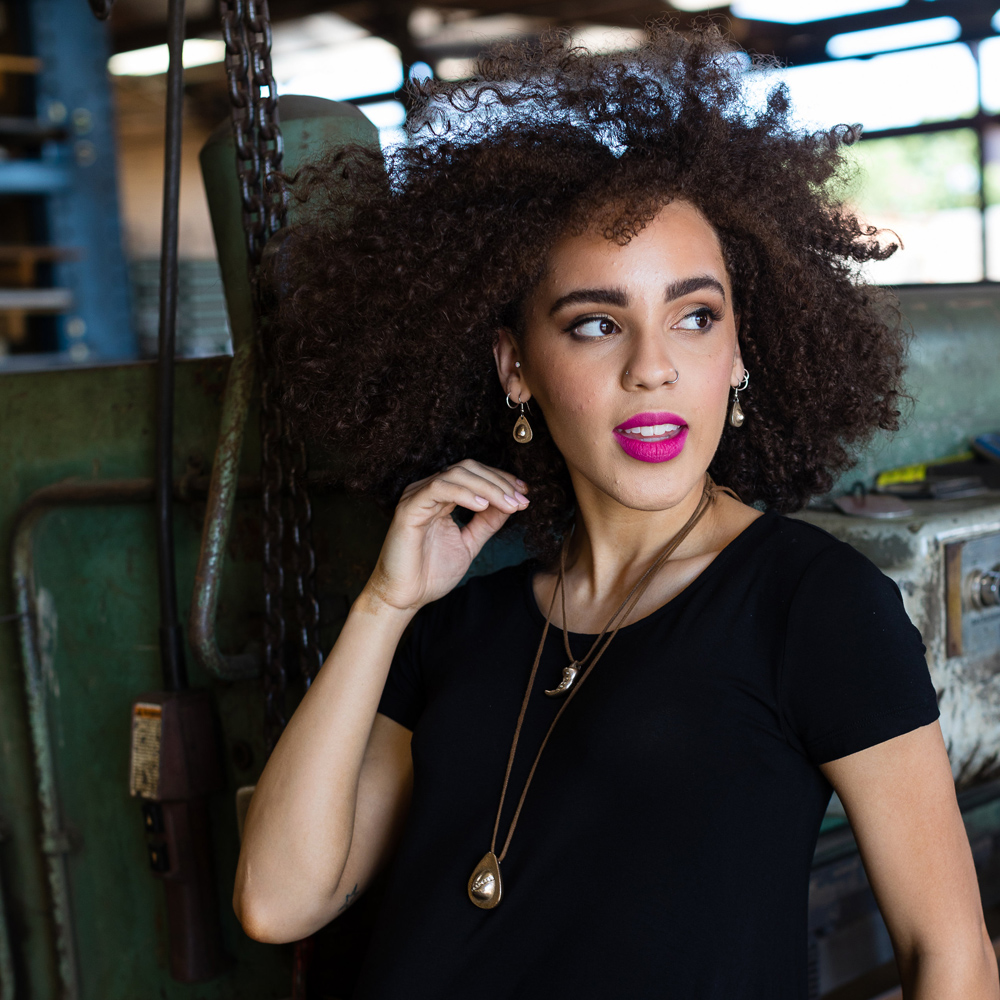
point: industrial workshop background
(177, 562)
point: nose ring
(677, 375)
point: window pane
(989, 63)
(925, 188)
(326, 55)
(991, 191)
(894, 90)
(389, 116)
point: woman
(621, 749)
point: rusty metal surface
(912, 551)
(54, 842)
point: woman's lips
(652, 437)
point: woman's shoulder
(819, 571)
(799, 552)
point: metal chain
(259, 152)
(303, 558)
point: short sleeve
(854, 672)
(403, 696)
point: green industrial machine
(81, 916)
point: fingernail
(481, 500)
(521, 483)
(510, 500)
(521, 497)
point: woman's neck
(612, 543)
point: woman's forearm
(960, 972)
(298, 829)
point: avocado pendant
(736, 417)
(522, 430)
(485, 888)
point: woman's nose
(649, 365)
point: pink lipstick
(652, 437)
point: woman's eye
(700, 319)
(594, 326)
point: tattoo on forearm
(349, 898)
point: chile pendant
(485, 887)
(570, 674)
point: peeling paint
(48, 636)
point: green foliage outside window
(915, 173)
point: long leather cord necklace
(485, 887)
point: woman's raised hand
(425, 552)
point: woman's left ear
(736, 376)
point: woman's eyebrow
(606, 296)
(685, 286)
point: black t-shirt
(665, 843)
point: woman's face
(630, 353)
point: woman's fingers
(508, 483)
(502, 491)
(482, 528)
(513, 484)
(476, 496)
(475, 489)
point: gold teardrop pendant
(522, 430)
(485, 887)
(736, 417)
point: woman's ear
(736, 376)
(510, 367)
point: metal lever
(218, 517)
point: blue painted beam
(73, 93)
(33, 177)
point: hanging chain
(259, 151)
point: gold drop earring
(522, 429)
(736, 416)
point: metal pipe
(171, 639)
(218, 517)
(54, 842)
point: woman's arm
(332, 797)
(900, 799)
(334, 791)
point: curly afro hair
(413, 262)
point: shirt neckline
(712, 569)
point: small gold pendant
(570, 674)
(736, 417)
(522, 430)
(485, 887)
